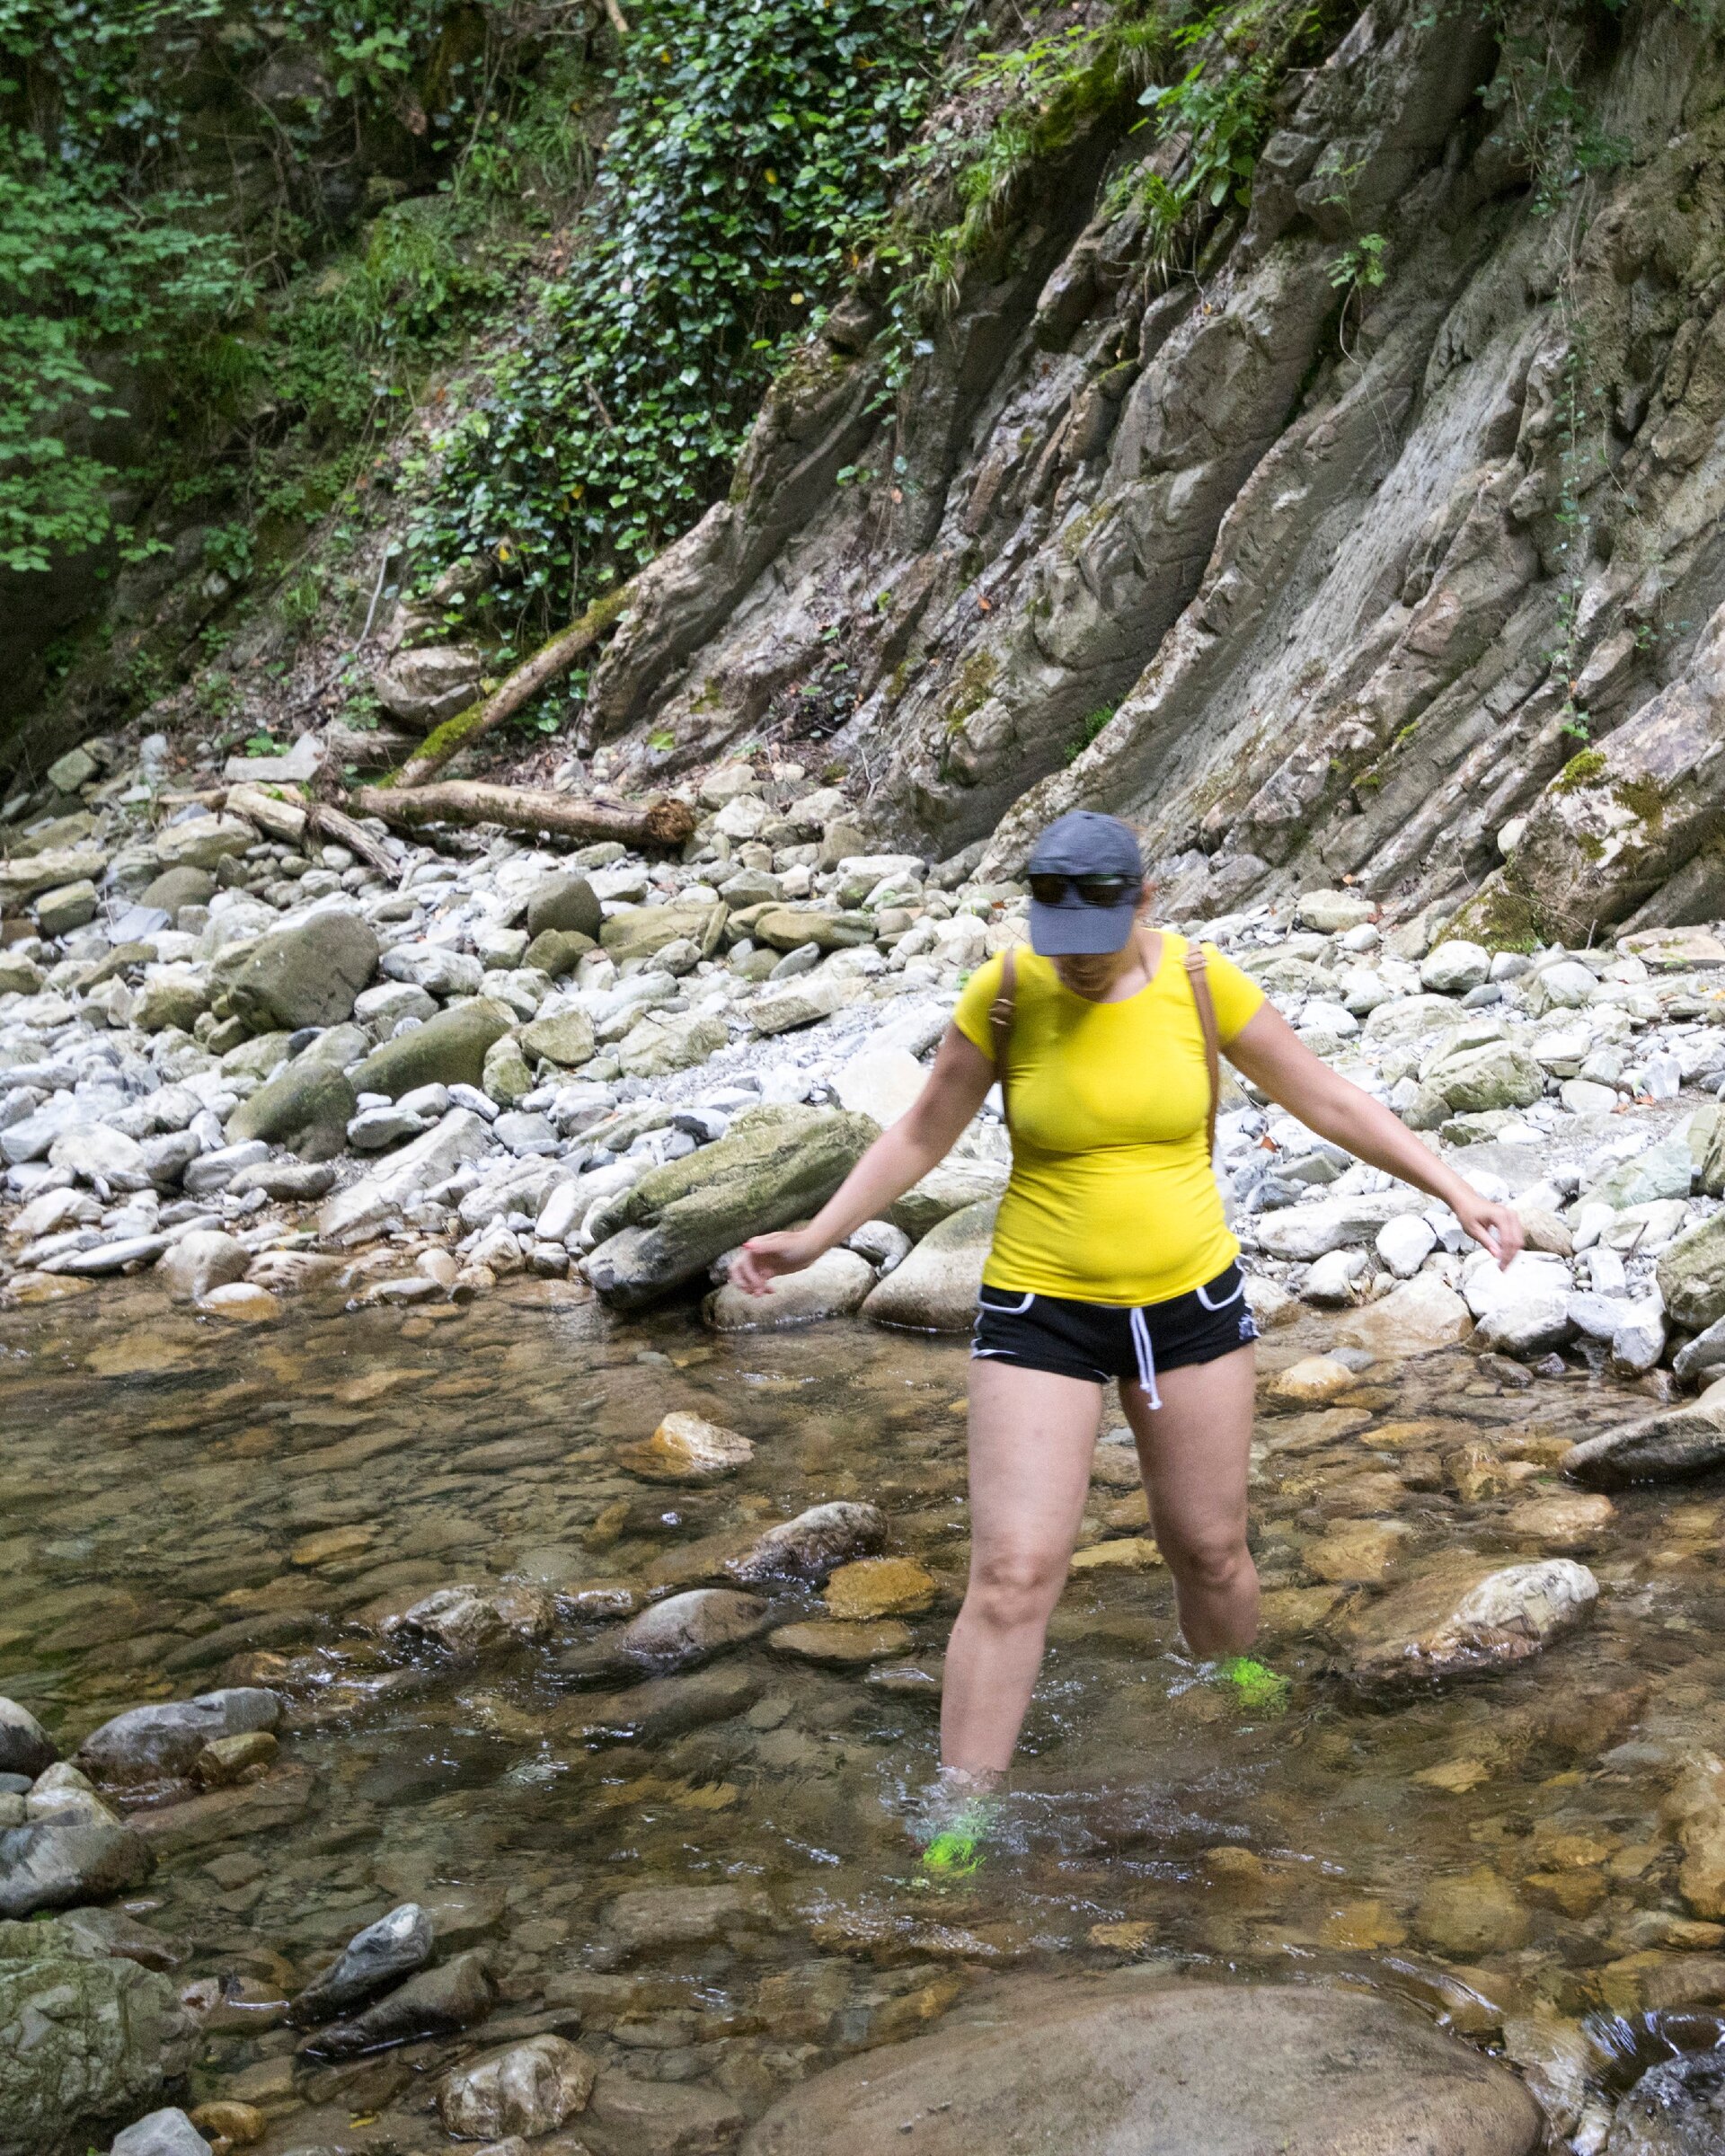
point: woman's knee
(1211, 1563)
(1013, 1586)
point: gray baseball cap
(1085, 844)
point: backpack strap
(1001, 1013)
(1197, 972)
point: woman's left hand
(1494, 1227)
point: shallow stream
(183, 1505)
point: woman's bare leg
(1031, 1437)
(1194, 1451)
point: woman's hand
(763, 1258)
(1495, 1228)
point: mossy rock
(448, 1049)
(308, 1108)
(557, 950)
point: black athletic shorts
(1099, 1340)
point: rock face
(935, 1289)
(308, 974)
(528, 2088)
(774, 1166)
(84, 2040)
(1673, 1446)
(1131, 2069)
(1462, 1618)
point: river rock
(813, 1544)
(437, 2002)
(1471, 1914)
(684, 1916)
(1676, 2108)
(665, 2118)
(306, 973)
(1696, 1358)
(1462, 1617)
(564, 902)
(774, 1165)
(394, 1946)
(1691, 1275)
(1120, 2067)
(59, 1863)
(528, 2088)
(935, 1289)
(565, 1038)
(1453, 968)
(159, 1743)
(686, 1628)
(880, 1586)
(1304, 1232)
(307, 1108)
(637, 931)
(833, 1287)
(468, 1620)
(198, 1262)
(1333, 912)
(168, 2133)
(348, 1215)
(944, 1191)
(448, 1049)
(687, 1448)
(83, 2038)
(665, 1707)
(202, 842)
(556, 951)
(880, 1084)
(1674, 1446)
(26, 1746)
(842, 1644)
(61, 1792)
(663, 1041)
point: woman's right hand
(763, 1258)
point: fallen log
(513, 690)
(661, 826)
(331, 824)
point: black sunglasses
(1091, 891)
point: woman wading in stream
(1111, 1259)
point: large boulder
(1674, 1446)
(448, 1049)
(1125, 2067)
(160, 1744)
(774, 1165)
(307, 1107)
(84, 2040)
(1691, 1274)
(637, 931)
(935, 1289)
(306, 973)
(58, 1863)
(564, 903)
(1463, 1616)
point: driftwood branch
(514, 691)
(659, 826)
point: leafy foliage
(751, 147)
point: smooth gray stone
(394, 1946)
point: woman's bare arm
(1271, 1055)
(900, 1156)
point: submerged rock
(435, 2003)
(161, 1744)
(1676, 2108)
(1463, 1617)
(813, 1544)
(468, 1620)
(685, 1629)
(394, 1946)
(687, 1448)
(528, 2088)
(1135, 2069)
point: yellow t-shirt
(1112, 1198)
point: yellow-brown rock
(880, 1586)
(687, 1448)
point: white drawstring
(1147, 1359)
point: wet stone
(1676, 2108)
(527, 2088)
(813, 1544)
(687, 1448)
(682, 1916)
(690, 1627)
(1470, 1915)
(1460, 1617)
(437, 2002)
(26, 1746)
(826, 1640)
(392, 1948)
(665, 1707)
